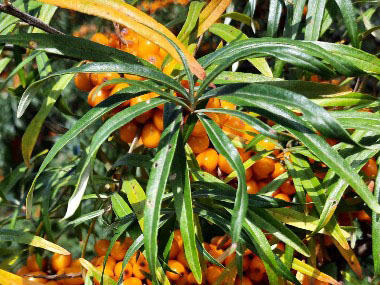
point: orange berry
(221, 241)
(76, 280)
(100, 39)
(31, 263)
(370, 168)
(248, 174)
(132, 281)
(224, 165)
(150, 136)
(181, 257)
(243, 281)
(281, 246)
(229, 259)
(267, 144)
(143, 98)
(227, 105)
(113, 41)
(60, 272)
(178, 238)
(198, 144)
(128, 132)
(212, 273)
(199, 130)
(327, 240)
(51, 282)
(252, 187)
(22, 271)
(263, 168)
(75, 263)
(288, 187)
(191, 279)
(119, 87)
(140, 265)
(127, 270)
(35, 279)
(282, 196)
(278, 170)
(59, 261)
(119, 250)
(107, 271)
(147, 47)
(101, 247)
(233, 125)
(208, 160)
(363, 216)
(263, 183)
(154, 59)
(177, 267)
(214, 252)
(213, 103)
(244, 155)
(101, 78)
(174, 250)
(158, 119)
(183, 279)
(82, 82)
(309, 200)
(111, 262)
(96, 97)
(257, 268)
(319, 282)
(162, 53)
(249, 130)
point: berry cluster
(152, 6)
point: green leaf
(238, 17)
(314, 16)
(347, 9)
(136, 197)
(85, 218)
(184, 208)
(231, 34)
(32, 240)
(376, 229)
(134, 160)
(32, 132)
(274, 16)
(156, 185)
(223, 146)
(93, 271)
(120, 207)
(266, 221)
(195, 9)
(292, 29)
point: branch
(8, 8)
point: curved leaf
(211, 14)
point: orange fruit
(119, 250)
(191, 279)
(59, 261)
(257, 269)
(132, 281)
(128, 132)
(150, 136)
(76, 280)
(208, 160)
(22, 271)
(263, 168)
(370, 168)
(101, 247)
(31, 263)
(127, 273)
(243, 281)
(119, 87)
(148, 114)
(214, 251)
(363, 216)
(278, 170)
(111, 262)
(147, 47)
(75, 263)
(178, 238)
(221, 241)
(174, 250)
(198, 144)
(283, 196)
(252, 187)
(288, 187)
(154, 59)
(181, 257)
(199, 130)
(96, 97)
(158, 119)
(100, 39)
(177, 267)
(140, 265)
(212, 273)
(101, 78)
(224, 165)
(51, 282)
(82, 82)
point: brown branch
(119, 35)
(8, 8)
(56, 277)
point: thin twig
(135, 141)
(92, 225)
(56, 276)
(8, 8)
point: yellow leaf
(93, 271)
(351, 259)
(312, 272)
(120, 12)
(7, 278)
(211, 13)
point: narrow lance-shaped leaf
(347, 9)
(32, 240)
(376, 228)
(314, 16)
(211, 14)
(184, 209)
(224, 146)
(120, 12)
(274, 16)
(156, 185)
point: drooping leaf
(211, 14)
